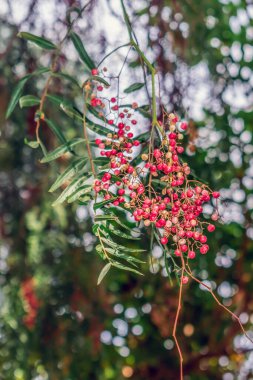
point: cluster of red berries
(31, 302)
(175, 211)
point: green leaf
(100, 161)
(83, 190)
(100, 129)
(70, 171)
(103, 203)
(81, 51)
(104, 272)
(71, 112)
(99, 79)
(16, 95)
(133, 87)
(73, 186)
(122, 248)
(121, 233)
(58, 152)
(124, 267)
(68, 77)
(104, 217)
(56, 130)
(28, 101)
(32, 144)
(39, 41)
(143, 137)
(19, 89)
(58, 100)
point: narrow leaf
(104, 272)
(58, 152)
(71, 112)
(68, 173)
(28, 101)
(56, 130)
(16, 94)
(71, 188)
(122, 234)
(134, 87)
(100, 80)
(39, 41)
(81, 51)
(67, 77)
(103, 203)
(83, 190)
(32, 144)
(124, 267)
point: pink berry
(211, 228)
(164, 240)
(191, 255)
(94, 72)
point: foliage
(62, 277)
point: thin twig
(179, 306)
(189, 272)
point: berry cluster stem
(86, 137)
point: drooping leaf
(121, 234)
(81, 51)
(58, 100)
(143, 137)
(16, 94)
(58, 152)
(104, 217)
(82, 190)
(73, 186)
(70, 171)
(56, 130)
(71, 112)
(28, 101)
(100, 80)
(100, 129)
(32, 144)
(126, 268)
(67, 77)
(39, 41)
(103, 203)
(121, 247)
(104, 272)
(133, 87)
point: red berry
(204, 249)
(211, 228)
(184, 126)
(164, 240)
(185, 280)
(191, 255)
(94, 72)
(121, 191)
(216, 194)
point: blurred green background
(55, 323)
